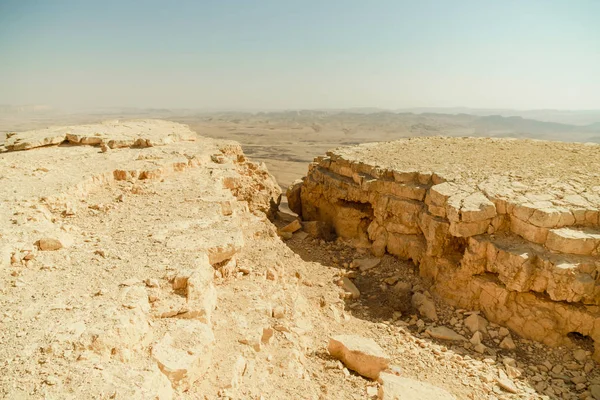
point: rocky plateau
(139, 260)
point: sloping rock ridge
(508, 227)
(81, 317)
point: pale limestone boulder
(350, 288)
(444, 333)
(293, 195)
(395, 387)
(359, 354)
(425, 306)
(184, 353)
(365, 264)
(476, 323)
(317, 229)
(292, 227)
(507, 343)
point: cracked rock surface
(508, 227)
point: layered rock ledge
(112, 235)
(508, 227)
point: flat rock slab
(365, 264)
(443, 333)
(359, 354)
(116, 134)
(395, 387)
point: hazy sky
(301, 54)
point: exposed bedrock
(509, 227)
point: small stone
(476, 323)
(557, 369)
(360, 354)
(279, 312)
(509, 361)
(508, 344)
(588, 367)
(503, 332)
(267, 335)
(476, 338)
(371, 391)
(51, 380)
(444, 333)
(425, 306)
(512, 372)
(350, 288)
(391, 280)
(285, 235)
(507, 385)
(403, 287)
(271, 274)
(580, 355)
(480, 348)
(292, 227)
(365, 264)
(153, 283)
(49, 244)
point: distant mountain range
(565, 125)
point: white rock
(480, 348)
(508, 344)
(444, 333)
(350, 288)
(476, 338)
(425, 306)
(512, 372)
(394, 387)
(365, 264)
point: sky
(280, 54)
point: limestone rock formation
(507, 227)
(134, 323)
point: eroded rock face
(142, 323)
(508, 227)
